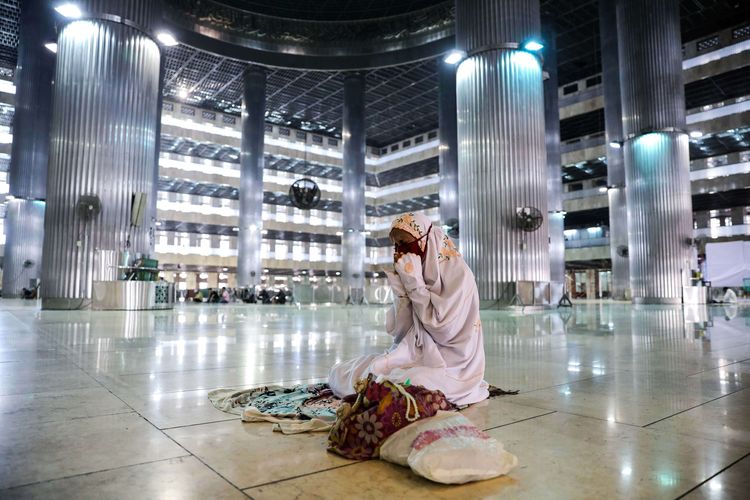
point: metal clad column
(27, 177)
(554, 163)
(448, 149)
(501, 145)
(656, 149)
(249, 261)
(353, 199)
(103, 141)
(618, 208)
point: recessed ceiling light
(69, 10)
(454, 57)
(52, 47)
(167, 39)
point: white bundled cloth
(438, 341)
(448, 449)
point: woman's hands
(409, 269)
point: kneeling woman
(438, 340)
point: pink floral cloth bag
(365, 420)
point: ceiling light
(615, 144)
(182, 94)
(69, 10)
(454, 57)
(695, 134)
(167, 39)
(52, 47)
(533, 46)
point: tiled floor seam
(236, 417)
(694, 407)
(519, 421)
(302, 475)
(163, 433)
(718, 367)
(35, 483)
(713, 476)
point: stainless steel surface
(22, 262)
(501, 147)
(448, 149)
(27, 176)
(353, 196)
(103, 141)
(143, 14)
(554, 162)
(696, 294)
(618, 210)
(659, 216)
(133, 295)
(659, 204)
(651, 75)
(489, 23)
(249, 261)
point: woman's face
(400, 239)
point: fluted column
(353, 198)
(618, 208)
(501, 146)
(27, 177)
(655, 150)
(249, 261)
(448, 149)
(103, 141)
(554, 163)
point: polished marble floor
(615, 402)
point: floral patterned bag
(379, 410)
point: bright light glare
(69, 10)
(183, 94)
(696, 134)
(454, 57)
(615, 145)
(167, 39)
(533, 46)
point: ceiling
(402, 100)
(332, 10)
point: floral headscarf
(419, 225)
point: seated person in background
(280, 297)
(198, 297)
(438, 341)
(224, 296)
(213, 297)
(729, 296)
(248, 295)
(264, 297)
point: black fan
(529, 219)
(622, 251)
(305, 194)
(451, 228)
(88, 207)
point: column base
(61, 304)
(669, 301)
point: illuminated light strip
(233, 133)
(716, 55)
(7, 87)
(403, 153)
(723, 231)
(721, 171)
(406, 186)
(189, 166)
(730, 109)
